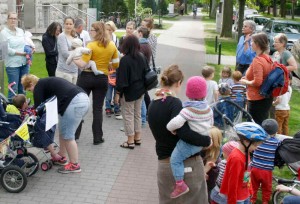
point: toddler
(29, 47)
(282, 110)
(208, 73)
(238, 90)
(77, 52)
(215, 193)
(20, 102)
(226, 76)
(263, 162)
(200, 118)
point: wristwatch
(291, 189)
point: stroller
(228, 113)
(288, 153)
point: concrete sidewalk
(111, 174)
(225, 60)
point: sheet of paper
(51, 113)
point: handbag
(151, 80)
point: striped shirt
(221, 167)
(264, 155)
(238, 94)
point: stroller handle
(287, 181)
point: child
(29, 48)
(238, 90)
(235, 184)
(226, 150)
(282, 110)
(208, 73)
(20, 102)
(226, 76)
(200, 118)
(263, 162)
(226, 108)
(77, 52)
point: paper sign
(22, 131)
(51, 113)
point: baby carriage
(228, 113)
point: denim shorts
(71, 118)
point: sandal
(137, 142)
(127, 145)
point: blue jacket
(244, 57)
(275, 79)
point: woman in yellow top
(103, 52)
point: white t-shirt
(212, 87)
(284, 100)
(85, 36)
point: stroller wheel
(31, 164)
(45, 166)
(13, 179)
(20, 151)
(50, 164)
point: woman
(103, 52)
(288, 199)
(64, 42)
(152, 39)
(282, 55)
(15, 62)
(49, 42)
(261, 66)
(131, 89)
(73, 104)
(162, 109)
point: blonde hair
(112, 25)
(207, 71)
(227, 70)
(101, 34)
(28, 80)
(237, 75)
(213, 152)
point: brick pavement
(111, 174)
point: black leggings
(259, 110)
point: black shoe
(108, 112)
(98, 142)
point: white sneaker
(119, 117)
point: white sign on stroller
(51, 113)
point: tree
(213, 9)
(241, 16)
(283, 8)
(227, 19)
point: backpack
(277, 81)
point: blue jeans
(110, 90)
(70, 120)
(247, 201)
(181, 152)
(14, 74)
(216, 196)
(291, 199)
(144, 112)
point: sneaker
(70, 168)
(117, 113)
(180, 189)
(62, 161)
(119, 117)
(108, 112)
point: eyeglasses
(13, 19)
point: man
(244, 52)
(83, 34)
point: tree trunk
(241, 17)
(213, 9)
(283, 8)
(274, 8)
(227, 19)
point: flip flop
(137, 142)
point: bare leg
(71, 147)
(62, 147)
(93, 66)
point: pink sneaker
(59, 161)
(180, 189)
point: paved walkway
(111, 174)
(225, 60)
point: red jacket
(236, 181)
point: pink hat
(196, 87)
(229, 146)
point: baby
(77, 52)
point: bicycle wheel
(277, 197)
(13, 179)
(31, 164)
